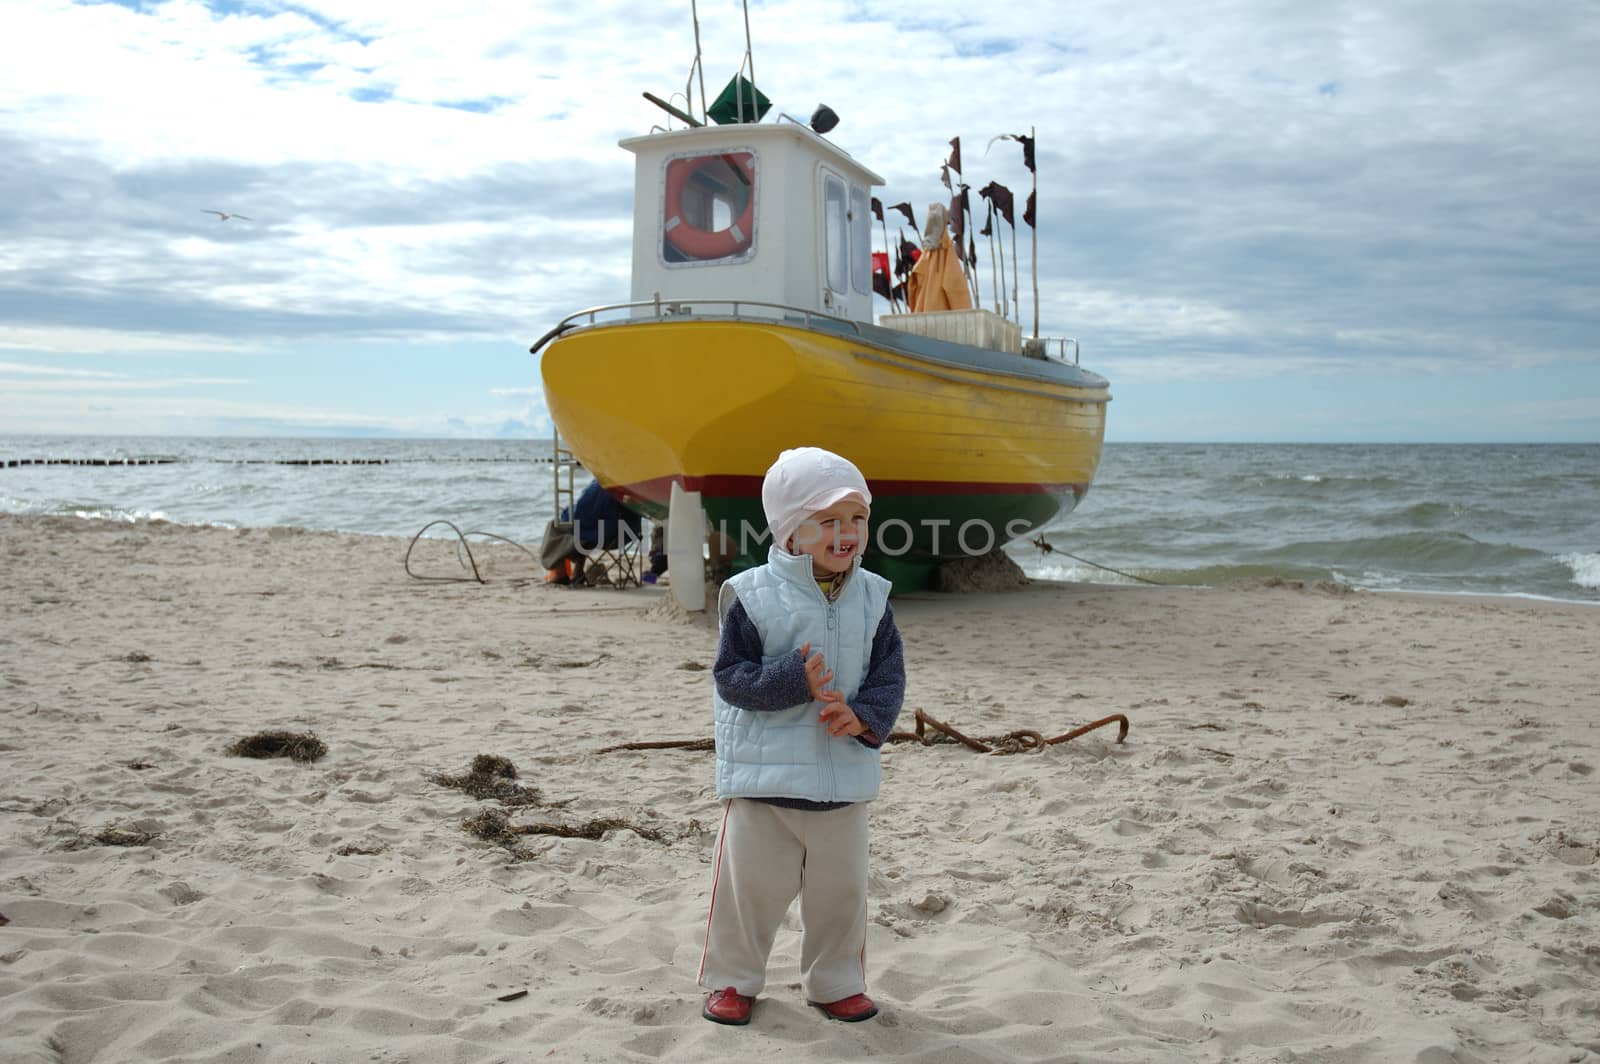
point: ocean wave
(1219, 575)
(1317, 483)
(1432, 552)
(118, 515)
(1081, 572)
(1585, 568)
(1223, 575)
(88, 512)
(1425, 514)
(112, 513)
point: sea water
(1453, 518)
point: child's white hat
(804, 480)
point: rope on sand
(1050, 548)
(1023, 740)
(462, 547)
(664, 744)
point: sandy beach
(1344, 826)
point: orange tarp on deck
(937, 281)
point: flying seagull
(223, 216)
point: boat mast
(1016, 275)
(994, 274)
(1033, 132)
(699, 67)
(750, 61)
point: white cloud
(110, 413)
(55, 371)
(69, 340)
(30, 389)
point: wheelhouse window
(708, 210)
(836, 227)
(860, 239)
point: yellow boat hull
(960, 457)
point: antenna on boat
(733, 102)
(698, 67)
(750, 61)
(696, 70)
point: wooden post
(888, 265)
(994, 277)
(1033, 132)
(1016, 277)
(968, 268)
(1005, 298)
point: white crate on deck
(979, 328)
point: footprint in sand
(1263, 916)
(1455, 896)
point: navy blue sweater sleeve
(883, 689)
(741, 678)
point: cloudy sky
(1263, 220)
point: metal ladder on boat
(623, 564)
(562, 463)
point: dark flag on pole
(906, 257)
(1000, 196)
(877, 208)
(1027, 214)
(972, 252)
(988, 222)
(905, 209)
(1027, 147)
(955, 154)
(960, 207)
(1027, 150)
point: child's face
(833, 537)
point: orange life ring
(699, 243)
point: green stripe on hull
(911, 534)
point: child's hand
(818, 676)
(839, 718)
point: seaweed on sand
(490, 776)
(115, 836)
(493, 825)
(297, 746)
(112, 835)
(594, 829)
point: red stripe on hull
(736, 486)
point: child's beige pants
(765, 856)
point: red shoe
(729, 1007)
(852, 1009)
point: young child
(809, 679)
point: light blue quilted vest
(789, 753)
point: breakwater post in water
(12, 463)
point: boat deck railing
(736, 309)
(1051, 348)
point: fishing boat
(749, 328)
